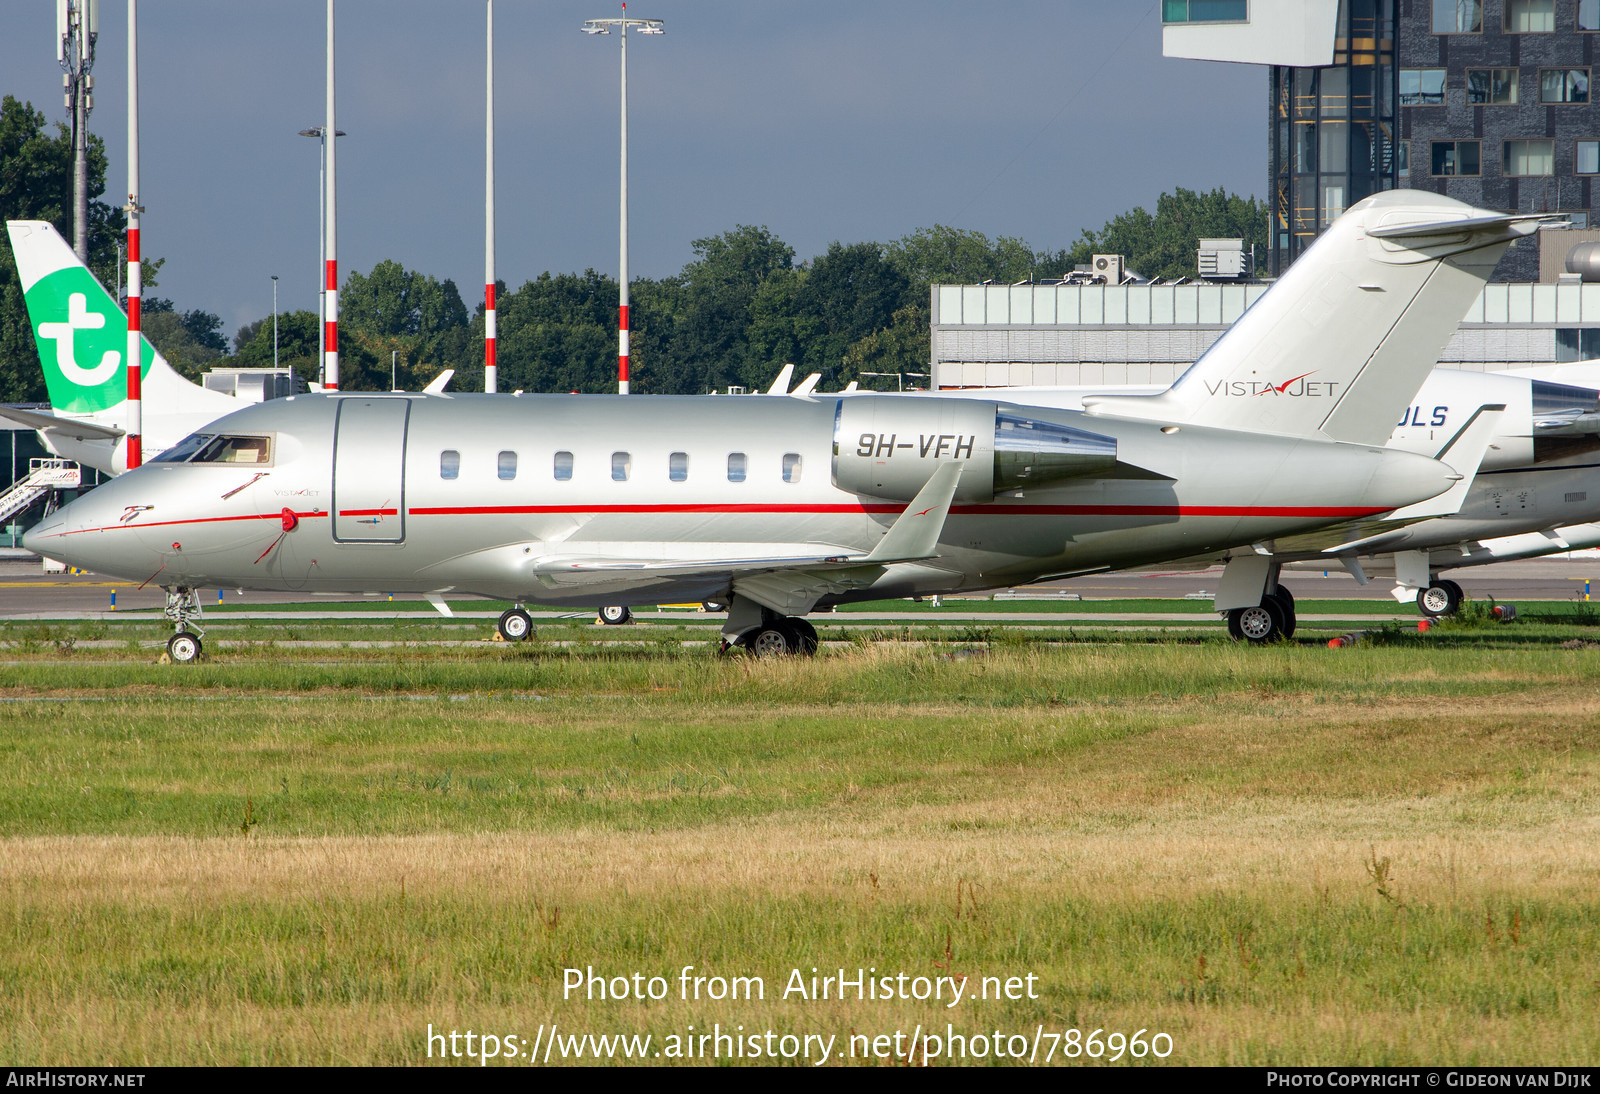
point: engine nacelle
(888, 446)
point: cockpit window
(180, 452)
(218, 448)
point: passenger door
(369, 459)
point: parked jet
(1538, 475)
(800, 502)
(82, 334)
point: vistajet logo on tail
(1296, 387)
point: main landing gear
(1265, 622)
(614, 615)
(1442, 598)
(783, 636)
(183, 608)
(762, 632)
(514, 625)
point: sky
(823, 120)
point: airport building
(1487, 101)
(1069, 334)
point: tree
(558, 333)
(36, 184)
(190, 341)
(710, 342)
(298, 341)
(393, 310)
(946, 255)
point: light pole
(320, 132)
(643, 26)
(274, 321)
(491, 374)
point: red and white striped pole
(491, 374)
(330, 348)
(135, 357)
(622, 309)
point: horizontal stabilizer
(44, 421)
(1463, 453)
(1510, 223)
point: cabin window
(563, 466)
(678, 466)
(506, 467)
(736, 466)
(621, 464)
(791, 467)
(449, 464)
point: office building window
(1586, 157)
(678, 466)
(506, 465)
(1589, 14)
(1530, 16)
(1423, 86)
(1577, 218)
(1491, 86)
(1205, 11)
(563, 466)
(1457, 16)
(736, 466)
(1528, 158)
(1563, 85)
(1456, 158)
(621, 464)
(449, 464)
(791, 467)
(1574, 344)
(1402, 158)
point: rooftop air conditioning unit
(1222, 259)
(1109, 267)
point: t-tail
(1340, 344)
(82, 335)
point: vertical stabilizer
(82, 335)
(1340, 344)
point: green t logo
(82, 337)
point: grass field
(1384, 854)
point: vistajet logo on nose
(1296, 387)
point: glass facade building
(1334, 138)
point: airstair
(44, 475)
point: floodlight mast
(321, 134)
(642, 26)
(491, 373)
(134, 362)
(330, 320)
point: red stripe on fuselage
(1335, 513)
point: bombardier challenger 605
(777, 506)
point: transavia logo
(1296, 387)
(82, 336)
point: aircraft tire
(1285, 601)
(775, 639)
(1260, 623)
(184, 647)
(515, 625)
(615, 615)
(807, 634)
(1440, 599)
(1460, 593)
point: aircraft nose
(84, 533)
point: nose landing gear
(183, 608)
(515, 625)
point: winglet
(780, 386)
(440, 382)
(915, 534)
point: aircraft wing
(788, 583)
(45, 421)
